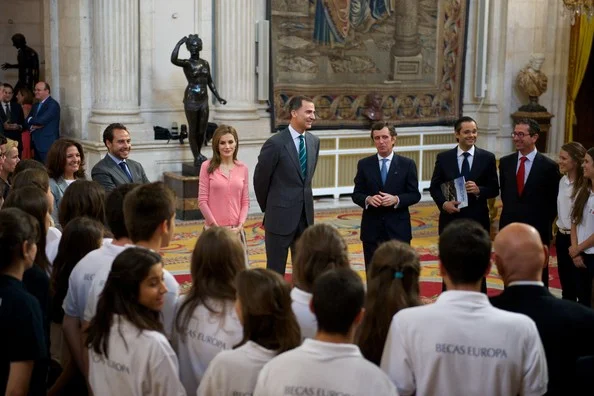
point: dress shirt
(295, 135)
(460, 157)
(564, 203)
(527, 164)
(526, 283)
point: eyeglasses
(521, 134)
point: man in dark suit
(479, 169)
(282, 183)
(11, 116)
(386, 184)
(529, 185)
(116, 168)
(44, 121)
(565, 327)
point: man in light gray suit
(282, 183)
(115, 168)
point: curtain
(579, 53)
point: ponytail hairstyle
(582, 194)
(266, 314)
(320, 248)
(576, 152)
(120, 296)
(217, 259)
(392, 285)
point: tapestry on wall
(354, 57)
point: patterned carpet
(424, 220)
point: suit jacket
(16, 114)
(107, 173)
(57, 187)
(402, 181)
(538, 204)
(483, 173)
(281, 190)
(565, 329)
(48, 117)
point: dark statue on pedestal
(28, 64)
(197, 73)
(374, 111)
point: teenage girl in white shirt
(263, 306)
(206, 323)
(128, 352)
(392, 285)
(319, 249)
(582, 231)
(570, 161)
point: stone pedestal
(407, 68)
(186, 191)
(544, 120)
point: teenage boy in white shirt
(461, 344)
(331, 363)
(149, 213)
(82, 275)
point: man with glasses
(44, 121)
(529, 184)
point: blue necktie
(122, 165)
(384, 170)
(302, 156)
(465, 166)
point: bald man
(565, 327)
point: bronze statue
(374, 111)
(197, 73)
(28, 63)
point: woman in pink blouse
(223, 195)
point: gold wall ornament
(575, 8)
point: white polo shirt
(305, 318)
(462, 345)
(168, 310)
(235, 372)
(323, 368)
(206, 335)
(564, 203)
(138, 363)
(81, 277)
(586, 227)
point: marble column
(406, 59)
(406, 35)
(115, 66)
(235, 73)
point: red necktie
(520, 175)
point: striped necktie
(302, 156)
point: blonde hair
(11, 144)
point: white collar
(530, 155)
(470, 151)
(294, 133)
(389, 157)
(526, 283)
(300, 296)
